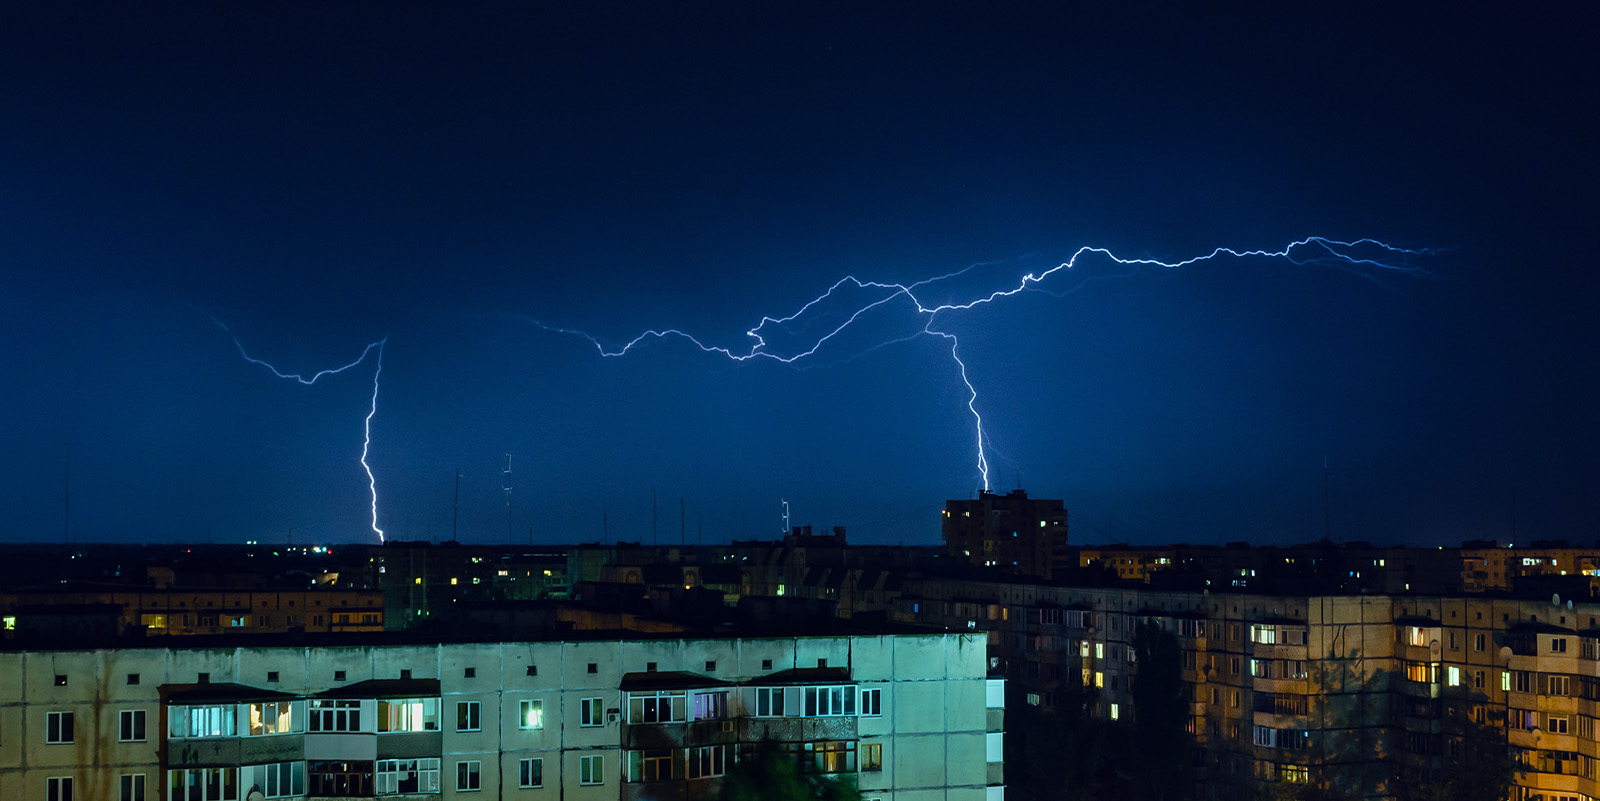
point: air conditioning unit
(613, 715)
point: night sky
(319, 177)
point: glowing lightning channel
(1313, 250)
(366, 439)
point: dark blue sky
(321, 177)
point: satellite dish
(1505, 653)
(1555, 600)
(1433, 647)
(1569, 604)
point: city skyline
(502, 198)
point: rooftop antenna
(653, 518)
(455, 517)
(683, 530)
(505, 481)
(785, 517)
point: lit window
(530, 715)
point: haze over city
(470, 188)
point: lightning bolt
(1362, 257)
(366, 438)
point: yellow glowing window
(452, 582)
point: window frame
(131, 722)
(469, 772)
(591, 770)
(530, 773)
(54, 786)
(871, 703)
(591, 711)
(469, 716)
(536, 707)
(131, 787)
(59, 728)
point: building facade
(911, 717)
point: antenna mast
(455, 517)
(506, 485)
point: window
(590, 713)
(1266, 737)
(468, 776)
(58, 729)
(709, 706)
(408, 714)
(469, 717)
(829, 701)
(708, 761)
(204, 784)
(1452, 676)
(591, 769)
(58, 788)
(202, 678)
(273, 717)
(133, 679)
(339, 777)
(872, 702)
(1478, 641)
(130, 787)
(276, 780)
(766, 664)
(330, 715)
(130, 726)
(530, 773)
(1560, 685)
(769, 702)
(833, 756)
(1558, 645)
(594, 667)
(533, 670)
(650, 766)
(469, 673)
(338, 675)
(530, 715)
(1556, 724)
(408, 776)
(872, 756)
(61, 680)
(711, 665)
(666, 706)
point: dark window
(469, 673)
(203, 678)
(61, 680)
(533, 670)
(594, 668)
(710, 666)
(822, 663)
(352, 778)
(650, 667)
(766, 664)
(405, 674)
(272, 676)
(338, 675)
(133, 678)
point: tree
(768, 773)
(1160, 716)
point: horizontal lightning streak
(1310, 250)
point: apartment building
(1361, 694)
(912, 717)
(179, 611)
